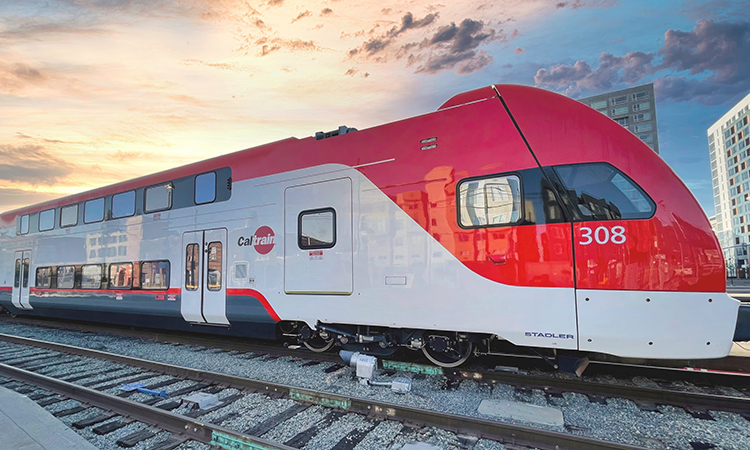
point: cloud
(722, 48)
(519, 51)
(302, 15)
(326, 12)
(378, 44)
(14, 78)
(603, 4)
(714, 59)
(270, 45)
(31, 163)
(455, 46)
(612, 70)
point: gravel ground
(618, 420)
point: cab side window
(489, 201)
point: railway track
(23, 359)
(650, 398)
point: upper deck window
(489, 201)
(23, 224)
(123, 204)
(159, 198)
(93, 210)
(47, 220)
(205, 188)
(604, 193)
(69, 216)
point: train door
(21, 279)
(204, 290)
(318, 238)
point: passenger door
(21, 279)
(318, 238)
(204, 290)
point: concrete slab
(24, 425)
(521, 411)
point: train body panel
(491, 217)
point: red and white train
(510, 213)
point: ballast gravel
(620, 420)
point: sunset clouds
(97, 91)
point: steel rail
(167, 420)
(498, 431)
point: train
(510, 214)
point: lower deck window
(43, 277)
(121, 275)
(91, 277)
(66, 277)
(155, 275)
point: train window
(192, 267)
(91, 276)
(604, 193)
(43, 277)
(214, 266)
(489, 201)
(317, 229)
(155, 275)
(205, 188)
(47, 220)
(69, 216)
(159, 198)
(66, 276)
(121, 275)
(25, 281)
(93, 210)
(17, 278)
(23, 224)
(123, 204)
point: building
(729, 150)
(633, 108)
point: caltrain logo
(263, 240)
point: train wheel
(446, 350)
(318, 344)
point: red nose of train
(667, 247)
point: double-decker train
(510, 213)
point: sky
(93, 92)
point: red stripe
(257, 295)
(6, 288)
(108, 291)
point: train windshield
(601, 192)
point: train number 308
(602, 235)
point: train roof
(8, 218)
